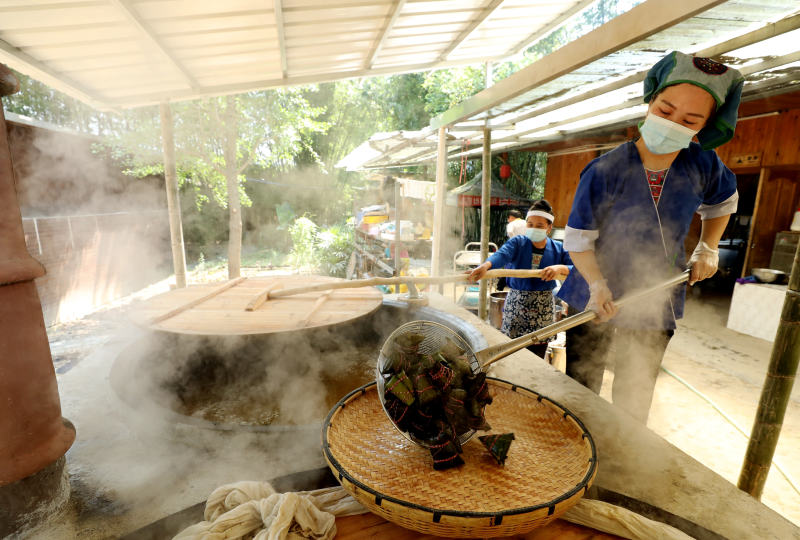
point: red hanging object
(505, 171)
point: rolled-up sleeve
(582, 228)
(725, 208)
(578, 240)
(720, 197)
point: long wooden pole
(173, 201)
(486, 202)
(271, 293)
(438, 204)
(776, 391)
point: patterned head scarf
(722, 82)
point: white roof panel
(596, 81)
(181, 49)
(125, 53)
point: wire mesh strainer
(436, 337)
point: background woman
(529, 304)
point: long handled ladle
(408, 281)
(490, 355)
(436, 336)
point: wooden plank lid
(222, 308)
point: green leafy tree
(218, 140)
(445, 88)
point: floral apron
(526, 311)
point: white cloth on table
(254, 510)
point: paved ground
(726, 369)
(709, 421)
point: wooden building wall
(773, 141)
(770, 147)
(563, 173)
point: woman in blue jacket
(631, 214)
(529, 304)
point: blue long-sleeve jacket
(637, 242)
(518, 251)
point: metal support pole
(397, 229)
(438, 205)
(776, 391)
(173, 202)
(486, 196)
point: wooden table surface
(369, 525)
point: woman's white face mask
(535, 235)
(664, 136)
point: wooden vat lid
(221, 308)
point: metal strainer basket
(436, 337)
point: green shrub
(336, 244)
(304, 237)
(326, 251)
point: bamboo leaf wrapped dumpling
(450, 349)
(497, 445)
(398, 411)
(424, 388)
(435, 398)
(442, 376)
(401, 387)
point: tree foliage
(288, 141)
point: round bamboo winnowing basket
(550, 465)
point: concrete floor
(124, 465)
(728, 369)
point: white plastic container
(796, 221)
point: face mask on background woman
(664, 136)
(536, 235)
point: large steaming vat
(636, 468)
(252, 382)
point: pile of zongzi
(436, 397)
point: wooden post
(232, 182)
(776, 391)
(486, 202)
(438, 205)
(173, 202)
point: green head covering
(722, 82)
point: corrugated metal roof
(122, 53)
(761, 38)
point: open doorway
(733, 245)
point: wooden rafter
(144, 29)
(474, 24)
(281, 38)
(391, 19)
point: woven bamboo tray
(550, 466)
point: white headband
(540, 213)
